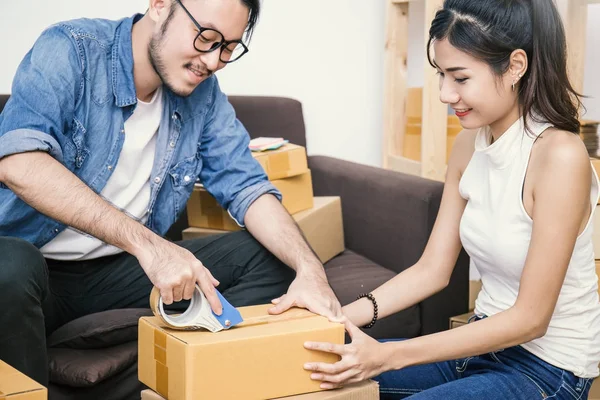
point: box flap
(257, 323)
(13, 382)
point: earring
(513, 85)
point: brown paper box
(322, 226)
(204, 211)
(460, 320)
(17, 386)
(289, 160)
(367, 390)
(259, 359)
(474, 289)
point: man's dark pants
(39, 295)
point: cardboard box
(287, 161)
(259, 359)
(204, 211)
(321, 225)
(367, 390)
(474, 289)
(17, 386)
(460, 320)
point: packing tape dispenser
(198, 314)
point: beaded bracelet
(372, 298)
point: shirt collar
(122, 63)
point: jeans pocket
(541, 391)
(462, 363)
(580, 389)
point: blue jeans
(513, 373)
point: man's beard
(159, 66)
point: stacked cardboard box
(262, 358)
(321, 225)
(319, 218)
(286, 168)
(17, 386)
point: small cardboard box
(17, 386)
(460, 320)
(321, 225)
(474, 289)
(204, 211)
(367, 390)
(261, 358)
(287, 161)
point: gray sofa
(387, 216)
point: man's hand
(175, 272)
(362, 359)
(310, 291)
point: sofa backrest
(262, 116)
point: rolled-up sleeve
(229, 171)
(44, 92)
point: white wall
(327, 54)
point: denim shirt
(71, 96)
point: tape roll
(192, 318)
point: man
(108, 127)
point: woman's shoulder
(559, 146)
(463, 149)
(558, 149)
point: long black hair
(490, 30)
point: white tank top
(495, 230)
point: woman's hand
(362, 359)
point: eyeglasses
(209, 40)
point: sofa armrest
(388, 217)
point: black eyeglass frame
(221, 45)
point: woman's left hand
(362, 359)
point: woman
(519, 196)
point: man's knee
(22, 267)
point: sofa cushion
(351, 274)
(99, 330)
(83, 368)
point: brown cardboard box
(259, 359)
(460, 320)
(204, 211)
(322, 226)
(289, 160)
(474, 289)
(367, 390)
(16, 386)
(594, 393)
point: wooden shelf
(434, 121)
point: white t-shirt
(128, 188)
(496, 230)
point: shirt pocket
(183, 176)
(76, 150)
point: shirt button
(186, 178)
(110, 167)
(122, 130)
(174, 116)
(149, 211)
(56, 230)
(172, 144)
(157, 179)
